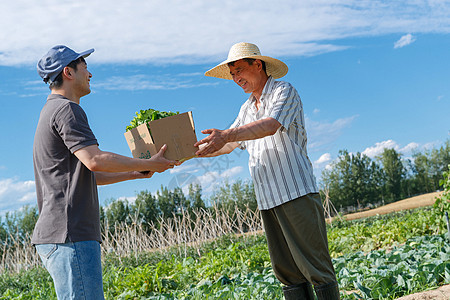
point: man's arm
(97, 160)
(226, 149)
(103, 178)
(217, 139)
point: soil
(409, 203)
(442, 292)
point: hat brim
(274, 67)
(85, 54)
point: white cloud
(187, 167)
(231, 172)
(131, 199)
(321, 134)
(15, 193)
(379, 148)
(145, 82)
(176, 31)
(324, 158)
(404, 41)
(325, 161)
(322, 163)
(316, 111)
(211, 180)
(431, 145)
(408, 149)
(209, 173)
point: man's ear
(67, 72)
(259, 63)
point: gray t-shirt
(66, 190)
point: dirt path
(410, 203)
(442, 293)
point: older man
(270, 125)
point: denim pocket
(46, 250)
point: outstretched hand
(214, 142)
(160, 163)
(143, 174)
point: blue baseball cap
(56, 59)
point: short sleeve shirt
(279, 164)
(66, 190)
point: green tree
(172, 202)
(428, 167)
(410, 184)
(422, 176)
(393, 173)
(145, 209)
(439, 161)
(195, 196)
(20, 223)
(221, 196)
(353, 180)
(239, 193)
(166, 204)
(117, 211)
(244, 194)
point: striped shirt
(279, 164)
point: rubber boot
(302, 291)
(328, 291)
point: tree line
(164, 204)
(148, 208)
(353, 180)
(356, 180)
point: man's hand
(143, 174)
(160, 163)
(214, 141)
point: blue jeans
(75, 268)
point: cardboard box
(177, 132)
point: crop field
(380, 257)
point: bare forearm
(112, 162)
(217, 141)
(227, 149)
(102, 161)
(252, 131)
(104, 178)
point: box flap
(140, 142)
(178, 132)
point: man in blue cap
(68, 166)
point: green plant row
(145, 116)
(389, 230)
(239, 268)
(384, 231)
(421, 263)
(235, 266)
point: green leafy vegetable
(145, 116)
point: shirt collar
(56, 97)
(268, 87)
(266, 90)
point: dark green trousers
(297, 240)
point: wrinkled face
(246, 76)
(82, 78)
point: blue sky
(371, 74)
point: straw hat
(274, 67)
